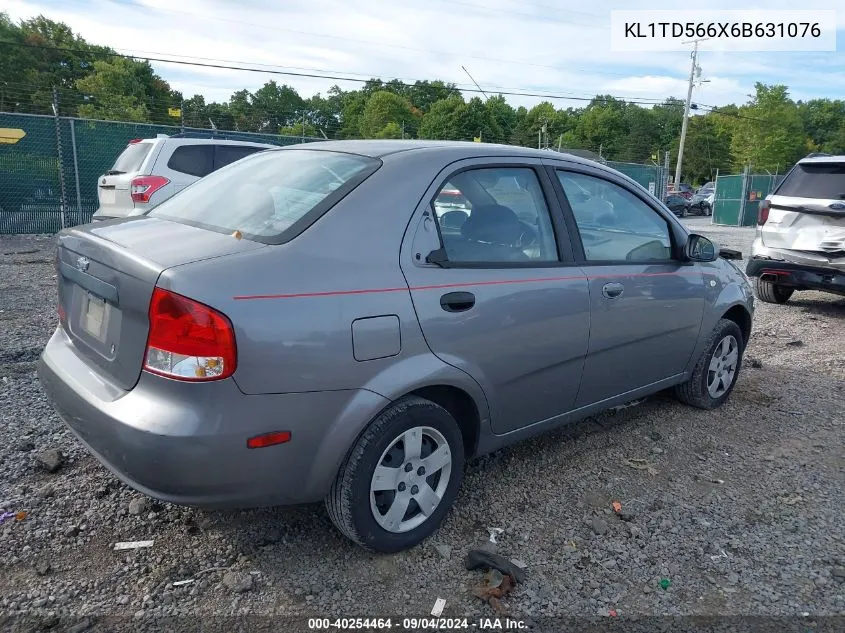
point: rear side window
(131, 158)
(227, 154)
(271, 197)
(815, 180)
(194, 160)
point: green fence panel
(757, 188)
(649, 176)
(33, 167)
(727, 203)
(738, 197)
(29, 175)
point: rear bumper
(186, 443)
(802, 271)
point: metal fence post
(741, 215)
(75, 171)
(63, 200)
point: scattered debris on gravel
(730, 512)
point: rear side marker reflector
(268, 439)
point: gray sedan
(350, 321)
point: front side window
(264, 196)
(614, 224)
(495, 215)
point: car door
(646, 304)
(490, 269)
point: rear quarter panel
(293, 305)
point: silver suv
(800, 243)
(149, 171)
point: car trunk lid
(107, 275)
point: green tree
(47, 54)
(115, 91)
(770, 135)
(384, 107)
(602, 127)
(643, 135)
(706, 150)
(503, 116)
(475, 119)
(441, 121)
(823, 119)
(423, 94)
(276, 106)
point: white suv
(149, 171)
(800, 242)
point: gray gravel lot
(741, 508)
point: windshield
(815, 180)
(265, 194)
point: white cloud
(560, 46)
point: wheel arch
(740, 315)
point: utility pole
(692, 71)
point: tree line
(769, 132)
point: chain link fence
(652, 177)
(49, 165)
(737, 197)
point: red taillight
(763, 212)
(135, 140)
(268, 439)
(188, 340)
(143, 187)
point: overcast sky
(551, 46)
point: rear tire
(717, 370)
(772, 292)
(359, 502)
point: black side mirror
(700, 249)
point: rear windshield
(815, 180)
(268, 195)
(131, 158)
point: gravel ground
(739, 508)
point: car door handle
(612, 290)
(457, 301)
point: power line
(541, 95)
(378, 44)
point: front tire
(771, 292)
(717, 370)
(400, 478)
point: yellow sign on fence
(174, 112)
(10, 135)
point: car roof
(187, 140)
(823, 159)
(452, 149)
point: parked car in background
(800, 242)
(380, 351)
(677, 204)
(701, 202)
(684, 190)
(149, 171)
